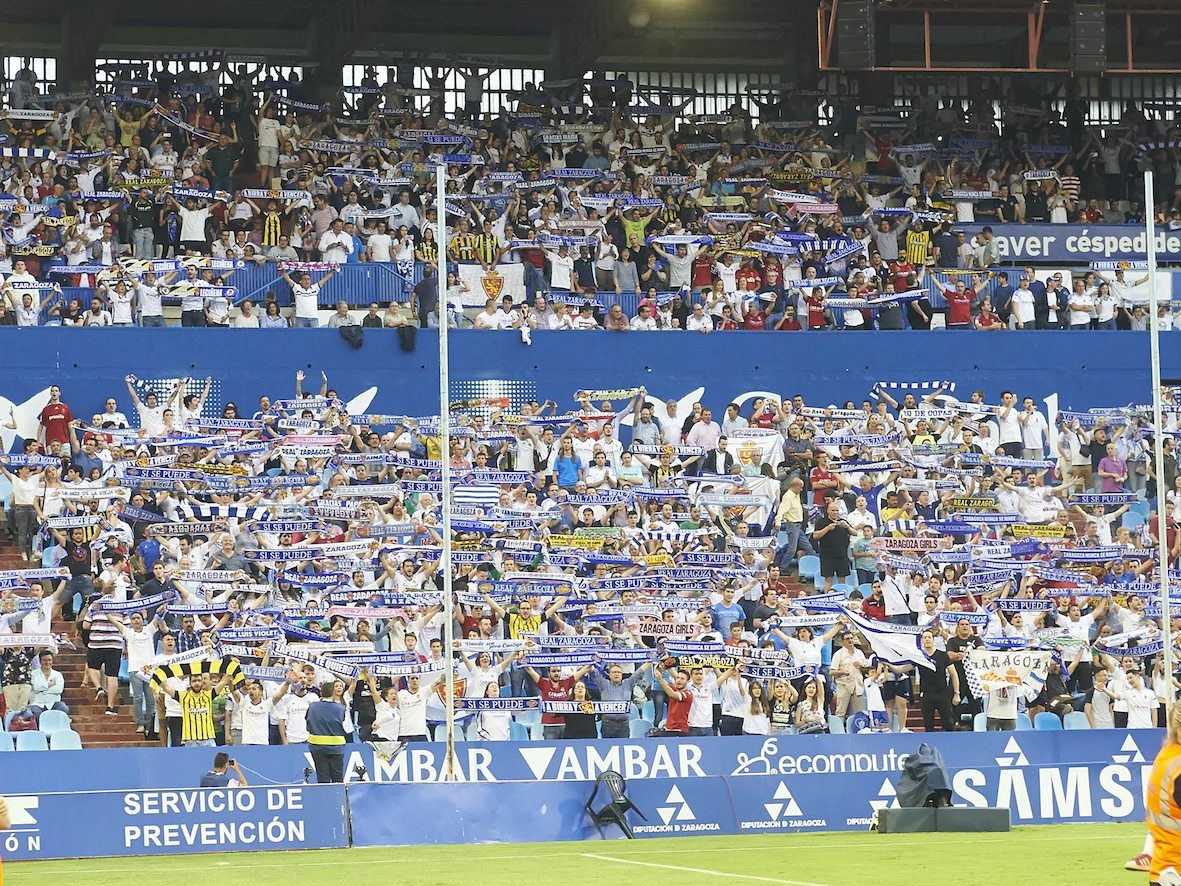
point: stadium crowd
(607, 560)
(596, 188)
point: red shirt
(815, 310)
(755, 320)
(677, 718)
(875, 609)
(899, 271)
(559, 691)
(819, 476)
(792, 325)
(959, 305)
(728, 324)
(56, 418)
(987, 320)
(754, 280)
(703, 272)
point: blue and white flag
(893, 647)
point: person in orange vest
(1163, 804)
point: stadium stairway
(87, 717)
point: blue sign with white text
(1078, 244)
(170, 822)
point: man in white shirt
(412, 705)
(643, 320)
(561, 269)
(1009, 425)
(293, 723)
(147, 293)
(699, 321)
(246, 318)
(507, 317)
(256, 711)
(193, 236)
(335, 245)
(1033, 431)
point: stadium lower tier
(146, 801)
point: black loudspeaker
(855, 34)
(1088, 38)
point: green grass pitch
(1060, 855)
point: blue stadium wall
(143, 800)
(1082, 369)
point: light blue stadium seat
(528, 718)
(536, 732)
(8, 718)
(65, 740)
(844, 589)
(865, 589)
(639, 728)
(836, 726)
(1141, 507)
(648, 711)
(1047, 722)
(980, 722)
(517, 732)
(1023, 723)
(5, 741)
(1076, 720)
(1134, 519)
(53, 721)
(809, 566)
(31, 741)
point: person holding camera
(219, 776)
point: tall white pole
(445, 473)
(1158, 443)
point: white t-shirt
(412, 706)
(295, 714)
(388, 722)
(1010, 428)
(379, 247)
(1141, 703)
(141, 647)
(1022, 305)
(256, 721)
(268, 132)
(561, 267)
(1079, 318)
(151, 419)
(192, 226)
(1032, 432)
(306, 300)
(149, 300)
(120, 307)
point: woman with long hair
(756, 717)
(580, 725)
(782, 702)
(811, 718)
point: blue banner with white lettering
(174, 821)
(1081, 244)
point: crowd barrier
(1079, 369)
(142, 800)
